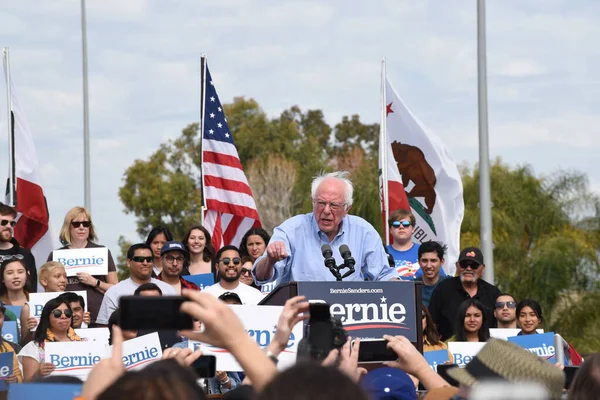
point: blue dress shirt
(303, 240)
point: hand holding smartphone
(159, 313)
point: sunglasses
(227, 260)
(509, 304)
(246, 271)
(473, 266)
(5, 222)
(141, 259)
(404, 224)
(58, 313)
(77, 224)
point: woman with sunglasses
(246, 277)
(78, 232)
(471, 323)
(229, 267)
(55, 326)
(201, 251)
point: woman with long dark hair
(14, 282)
(471, 323)
(198, 243)
(529, 316)
(55, 326)
(431, 337)
(158, 236)
(254, 243)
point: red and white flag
(419, 163)
(33, 225)
(231, 209)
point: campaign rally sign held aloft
(541, 345)
(37, 301)
(464, 352)
(140, 351)
(436, 357)
(200, 280)
(73, 358)
(261, 323)
(94, 261)
(368, 311)
(9, 331)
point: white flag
(429, 175)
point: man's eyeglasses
(58, 313)
(508, 304)
(77, 224)
(5, 222)
(246, 271)
(473, 266)
(398, 224)
(227, 260)
(176, 259)
(141, 259)
(332, 206)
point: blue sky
(543, 66)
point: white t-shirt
(248, 294)
(33, 350)
(126, 288)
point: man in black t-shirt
(10, 248)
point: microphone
(349, 261)
(330, 261)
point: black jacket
(28, 259)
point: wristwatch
(97, 282)
(272, 356)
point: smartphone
(160, 313)
(205, 367)
(374, 351)
(320, 326)
(570, 372)
(442, 370)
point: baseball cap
(230, 296)
(173, 246)
(471, 254)
(389, 384)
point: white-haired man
(294, 251)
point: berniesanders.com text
(358, 290)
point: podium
(368, 310)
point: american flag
(231, 209)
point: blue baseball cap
(389, 384)
(173, 246)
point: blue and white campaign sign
(261, 323)
(200, 280)
(94, 261)
(464, 352)
(97, 335)
(37, 301)
(505, 333)
(268, 287)
(436, 357)
(6, 364)
(539, 344)
(54, 391)
(13, 313)
(369, 310)
(73, 358)
(140, 351)
(10, 332)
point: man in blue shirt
(431, 261)
(294, 251)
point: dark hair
(164, 379)
(73, 297)
(40, 333)
(461, 333)
(430, 333)
(7, 210)
(113, 320)
(216, 259)
(58, 379)
(432, 247)
(7, 260)
(209, 251)
(146, 287)
(586, 384)
(534, 305)
(253, 231)
(505, 294)
(157, 230)
(137, 246)
(312, 381)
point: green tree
(122, 270)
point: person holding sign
(199, 246)
(14, 287)
(78, 232)
(55, 326)
(9, 347)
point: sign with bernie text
(200, 280)
(369, 310)
(464, 352)
(37, 301)
(94, 261)
(261, 323)
(505, 333)
(436, 357)
(9, 331)
(73, 358)
(140, 351)
(539, 344)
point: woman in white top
(55, 326)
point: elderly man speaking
(294, 251)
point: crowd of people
(459, 308)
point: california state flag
(33, 225)
(420, 164)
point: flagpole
(384, 152)
(202, 112)
(485, 196)
(86, 119)
(11, 131)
